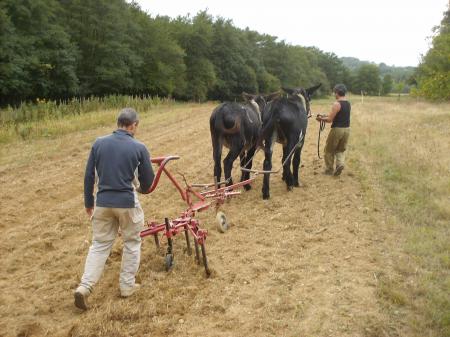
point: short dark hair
(127, 116)
(340, 89)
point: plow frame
(196, 201)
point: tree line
(58, 49)
(433, 73)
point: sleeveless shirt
(342, 118)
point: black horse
(284, 121)
(238, 127)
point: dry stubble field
(304, 263)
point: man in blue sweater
(117, 163)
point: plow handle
(161, 161)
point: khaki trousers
(336, 145)
(105, 226)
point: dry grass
(403, 150)
(275, 272)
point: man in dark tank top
(337, 140)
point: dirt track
(290, 266)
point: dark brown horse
(236, 126)
(284, 121)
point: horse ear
(272, 96)
(311, 90)
(247, 97)
(289, 91)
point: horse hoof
(247, 187)
(266, 196)
(298, 184)
(290, 188)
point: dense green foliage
(433, 75)
(58, 49)
(37, 57)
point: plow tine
(188, 242)
(197, 252)
(157, 241)
(169, 253)
(205, 260)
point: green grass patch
(402, 146)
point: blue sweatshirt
(116, 158)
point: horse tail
(224, 118)
(268, 124)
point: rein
(300, 140)
(321, 128)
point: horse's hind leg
(296, 166)
(289, 179)
(242, 162)
(248, 162)
(217, 156)
(235, 150)
(285, 153)
(267, 166)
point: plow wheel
(222, 222)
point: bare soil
(304, 263)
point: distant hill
(353, 63)
(399, 74)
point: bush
(435, 87)
(44, 109)
(45, 118)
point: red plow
(198, 198)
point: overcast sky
(395, 32)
